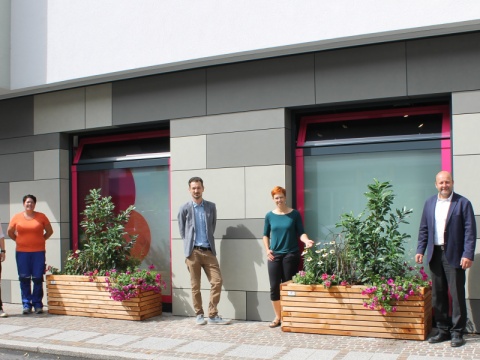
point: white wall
(87, 38)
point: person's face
(196, 190)
(444, 184)
(279, 199)
(29, 204)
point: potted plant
(358, 283)
(102, 279)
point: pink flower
(151, 267)
(327, 284)
(302, 273)
(390, 282)
(324, 276)
(344, 283)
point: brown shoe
(275, 323)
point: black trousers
(282, 269)
(445, 277)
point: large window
(133, 170)
(337, 156)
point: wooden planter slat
(78, 296)
(340, 311)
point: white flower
(318, 251)
(332, 251)
(320, 262)
(304, 252)
(309, 259)
(332, 242)
(324, 255)
(319, 243)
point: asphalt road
(8, 354)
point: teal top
(283, 231)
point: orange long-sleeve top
(30, 232)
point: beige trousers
(204, 259)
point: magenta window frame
(74, 177)
(445, 142)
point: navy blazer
(186, 225)
(460, 230)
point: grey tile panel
(159, 97)
(473, 315)
(239, 229)
(263, 147)
(369, 72)
(215, 124)
(16, 167)
(16, 117)
(4, 202)
(443, 64)
(467, 102)
(34, 143)
(264, 84)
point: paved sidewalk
(172, 337)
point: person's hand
(2, 257)
(466, 263)
(270, 255)
(419, 258)
(309, 243)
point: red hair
(277, 190)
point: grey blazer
(186, 225)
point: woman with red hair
(283, 226)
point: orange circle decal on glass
(137, 225)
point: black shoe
(457, 340)
(440, 337)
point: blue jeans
(31, 267)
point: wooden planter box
(76, 295)
(339, 311)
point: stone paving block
(87, 353)
(114, 339)
(205, 347)
(256, 352)
(36, 332)
(309, 354)
(155, 343)
(370, 356)
(73, 335)
(417, 357)
(5, 329)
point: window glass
(335, 184)
(147, 188)
(393, 126)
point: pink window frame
(445, 144)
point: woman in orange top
(30, 229)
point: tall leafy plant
(373, 237)
(104, 246)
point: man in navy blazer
(196, 221)
(448, 233)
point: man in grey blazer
(448, 233)
(197, 220)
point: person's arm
(266, 244)
(181, 217)
(422, 237)
(470, 237)
(11, 232)
(308, 243)
(48, 231)
(2, 247)
(300, 230)
(266, 239)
